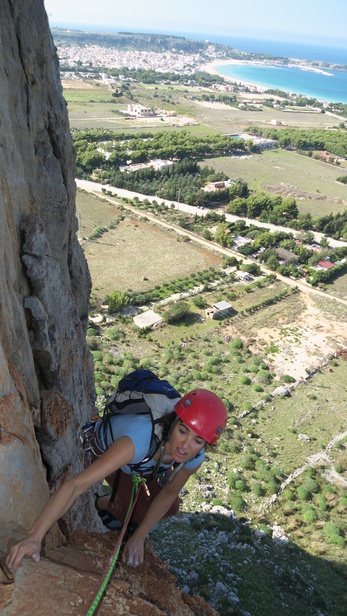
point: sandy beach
(210, 67)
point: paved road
(96, 188)
(191, 209)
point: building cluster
(95, 56)
(158, 165)
(261, 142)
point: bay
(330, 86)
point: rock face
(46, 370)
(66, 580)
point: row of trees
(274, 209)
(200, 78)
(334, 141)
(97, 148)
(279, 211)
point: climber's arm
(119, 454)
(133, 552)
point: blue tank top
(139, 429)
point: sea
(328, 85)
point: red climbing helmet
(204, 412)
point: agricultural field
(135, 254)
(311, 182)
(91, 105)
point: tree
(272, 263)
(238, 207)
(116, 300)
(239, 189)
(251, 268)
(223, 235)
(324, 242)
(178, 311)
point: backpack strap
(115, 485)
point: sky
(311, 21)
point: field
(311, 182)
(92, 105)
(134, 250)
(306, 328)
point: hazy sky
(276, 19)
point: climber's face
(184, 443)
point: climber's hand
(133, 553)
(30, 546)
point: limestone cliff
(46, 369)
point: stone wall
(46, 371)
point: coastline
(210, 67)
(258, 86)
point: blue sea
(331, 87)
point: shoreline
(210, 67)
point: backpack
(138, 393)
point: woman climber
(198, 418)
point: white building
(140, 111)
(148, 319)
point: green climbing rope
(105, 576)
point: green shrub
(311, 485)
(237, 503)
(217, 502)
(321, 502)
(240, 485)
(286, 378)
(310, 515)
(257, 387)
(113, 333)
(303, 494)
(337, 540)
(199, 302)
(244, 380)
(116, 301)
(264, 377)
(232, 478)
(236, 343)
(331, 529)
(248, 462)
(257, 489)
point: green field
(311, 182)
